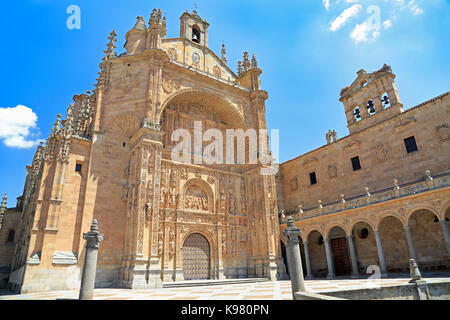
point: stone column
(351, 247)
(330, 263)
(446, 235)
(291, 233)
(93, 238)
(307, 262)
(380, 254)
(412, 250)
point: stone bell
(370, 106)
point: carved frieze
(443, 132)
(169, 84)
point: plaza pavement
(268, 290)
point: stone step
(198, 283)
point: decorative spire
(223, 58)
(4, 202)
(157, 21)
(239, 68)
(57, 125)
(110, 46)
(246, 63)
(254, 62)
(140, 24)
(3, 209)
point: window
(124, 144)
(78, 167)
(357, 114)
(10, 236)
(196, 34)
(313, 178)
(410, 144)
(363, 233)
(356, 164)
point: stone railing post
(421, 285)
(93, 238)
(291, 233)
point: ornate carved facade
(110, 159)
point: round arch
(218, 104)
(196, 257)
(412, 211)
(335, 225)
(203, 186)
(393, 215)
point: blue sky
(308, 51)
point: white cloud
(16, 126)
(344, 16)
(387, 24)
(326, 4)
(364, 32)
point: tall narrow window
(356, 164)
(196, 34)
(313, 178)
(410, 144)
(11, 234)
(78, 167)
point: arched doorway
(196, 257)
(339, 247)
(429, 240)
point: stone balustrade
(397, 191)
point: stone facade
(110, 160)
(380, 195)
(368, 201)
(9, 220)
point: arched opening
(365, 246)
(370, 107)
(339, 248)
(196, 34)
(429, 241)
(356, 114)
(196, 257)
(395, 246)
(317, 255)
(386, 102)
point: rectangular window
(356, 164)
(410, 144)
(313, 178)
(78, 167)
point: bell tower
(372, 98)
(193, 28)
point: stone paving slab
(276, 290)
